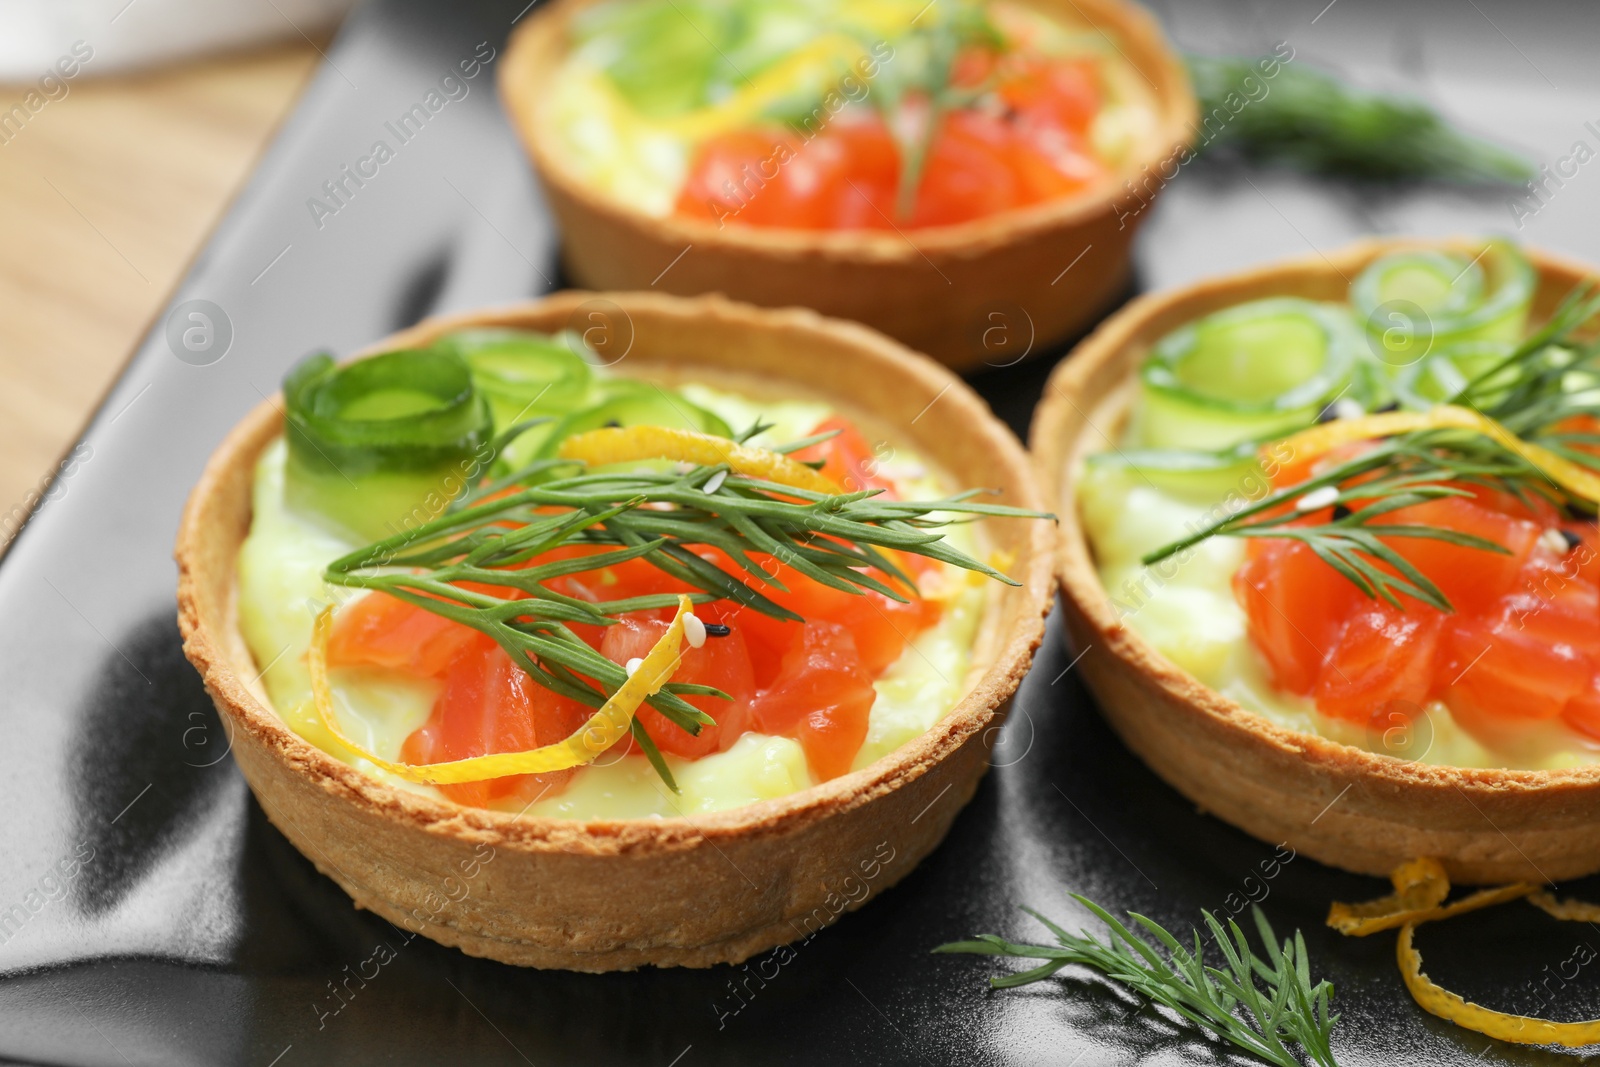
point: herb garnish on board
(1262, 1003)
(1313, 121)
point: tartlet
(1046, 271)
(601, 896)
(1336, 803)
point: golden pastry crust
(615, 895)
(935, 288)
(1336, 803)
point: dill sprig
(1312, 121)
(1262, 1003)
(1350, 544)
(492, 537)
(1552, 376)
(927, 65)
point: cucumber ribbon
(384, 439)
(1445, 373)
(521, 373)
(382, 445)
(1252, 371)
(604, 728)
(400, 410)
(1412, 302)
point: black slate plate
(188, 931)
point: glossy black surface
(189, 931)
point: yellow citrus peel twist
(1420, 888)
(605, 727)
(1517, 1029)
(1578, 911)
(626, 444)
(1330, 435)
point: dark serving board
(149, 914)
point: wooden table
(105, 196)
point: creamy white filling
(643, 162)
(1189, 613)
(281, 591)
(611, 146)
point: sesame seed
(718, 629)
(633, 665)
(714, 482)
(1317, 498)
(1343, 408)
(694, 630)
(1554, 540)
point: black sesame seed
(1327, 414)
(1340, 512)
(1572, 539)
(1393, 405)
(613, 424)
(718, 629)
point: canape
(966, 178)
(1327, 550)
(693, 776)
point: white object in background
(124, 34)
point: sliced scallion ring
(1413, 303)
(1245, 373)
(385, 441)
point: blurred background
(112, 176)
